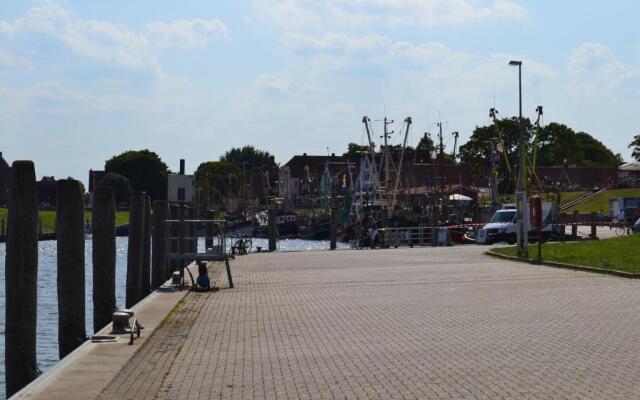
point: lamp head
(515, 63)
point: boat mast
(407, 122)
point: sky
(81, 81)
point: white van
(503, 227)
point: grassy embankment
(565, 197)
(621, 254)
(601, 200)
(49, 217)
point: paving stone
(441, 323)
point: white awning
(459, 197)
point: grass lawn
(622, 253)
(566, 197)
(601, 200)
(49, 217)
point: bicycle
(242, 246)
(622, 230)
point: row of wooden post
(146, 268)
(574, 226)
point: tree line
(556, 143)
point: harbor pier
(425, 323)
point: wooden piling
(574, 225)
(135, 249)
(272, 228)
(71, 285)
(3, 228)
(594, 220)
(21, 272)
(174, 243)
(103, 236)
(208, 240)
(145, 283)
(158, 243)
(333, 233)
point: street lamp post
(521, 195)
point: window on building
(181, 194)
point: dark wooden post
(135, 249)
(158, 243)
(208, 240)
(594, 220)
(2, 228)
(104, 256)
(333, 233)
(434, 229)
(21, 273)
(181, 237)
(40, 226)
(145, 285)
(175, 242)
(574, 226)
(272, 228)
(71, 286)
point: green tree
(144, 169)
(425, 143)
(248, 158)
(354, 152)
(635, 145)
(216, 180)
(477, 153)
(559, 144)
(119, 184)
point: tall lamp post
(521, 194)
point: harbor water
(47, 325)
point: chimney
(182, 166)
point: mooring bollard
(137, 203)
(71, 288)
(145, 285)
(21, 273)
(104, 256)
(574, 226)
(273, 229)
(333, 233)
(160, 214)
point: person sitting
(203, 277)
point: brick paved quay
(433, 323)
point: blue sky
(81, 81)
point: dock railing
(182, 245)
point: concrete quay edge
(90, 368)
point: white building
(181, 187)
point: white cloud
(13, 61)
(309, 14)
(594, 69)
(188, 33)
(334, 42)
(112, 43)
(424, 52)
(279, 84)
